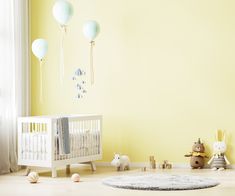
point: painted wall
(164, 72)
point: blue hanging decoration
(80, 83)
(79, 72)
(79, 87)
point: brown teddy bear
(197, 155)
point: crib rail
(85, 138)
(38, 140)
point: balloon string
(63, 31)
(91, 62)
(41, 87)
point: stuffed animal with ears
(121, 162)
(197, 155)
(219, 161)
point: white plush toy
(33, 177)
(121, 162)
(219, 160)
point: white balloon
(91, 29)
(40, 48)
(62, 11)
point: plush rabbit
(121, 162)
(219, 160)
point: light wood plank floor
(90, 185)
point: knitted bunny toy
(219, 160)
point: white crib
(38, 143)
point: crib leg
(93, 167)
(67, 169)
(27, 171)
(53, 172)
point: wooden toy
(166, 165)
(75, 177)
(143, 169)
(152, 162)
(219, 160)
(197, 155)
(33, 177)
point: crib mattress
(81, 144)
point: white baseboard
(146, 164)
(133, 165)
(143, 164)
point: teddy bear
(197, 155)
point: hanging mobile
(80, 83)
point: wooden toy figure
(219, 160)
(144, 169)
(197, 155)
(166, 165)
(152, 162)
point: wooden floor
(90, 185)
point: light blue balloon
(62, 11)
(91, 29)
(40, 48)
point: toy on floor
(219, 160)
(143, 169)
(121, 162)
(75, 177)
(152, 162)
(166, 165)
(33, 177)
(197, 155)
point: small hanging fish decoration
(80, 84)
(78, 72)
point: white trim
(107, 164)
(21, 36)
(143, 164)
(146, 164)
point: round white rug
(160, 182)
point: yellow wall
(164, 72)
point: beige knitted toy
(219, 160)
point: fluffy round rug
(160, 182)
